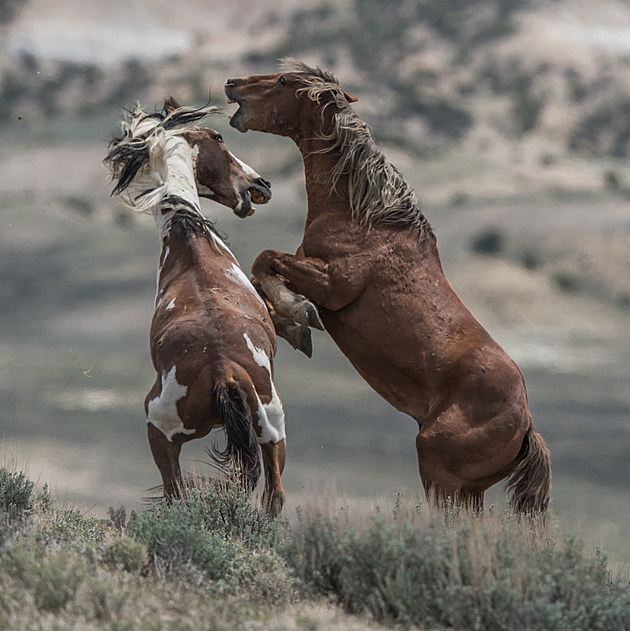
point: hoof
(308, 315)
(298, 336)
(304, 343)
(273, 505)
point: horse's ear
(349, 97)
(170, 105)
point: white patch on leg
(270, 415)
(163, 409)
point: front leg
(298, 336)
(330, 286)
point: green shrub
(216, 532)
(127, 554)
(15, 493)
(567, 281)
(8, 9)
(486, 572)
(605, 129)
(530, 259)
(51, 580)
(70, 527)
(175, 536)
(489, 242)
(612, 180)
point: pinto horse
(212, 340)
(368, 265)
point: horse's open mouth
(256, 194)
(236, 118)
(259, 194)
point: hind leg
(442, 485)
(274, 455)
(166, 457)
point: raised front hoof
(304, 342)
(299, 337)
(308, 315)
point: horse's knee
(263, 264)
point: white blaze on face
(170, 305)
(238, 275)
(163, 409)
(248, 170)
(270, 415)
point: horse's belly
(394, 372)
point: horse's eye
(282, 81)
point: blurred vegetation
(606, 130)
(490, 241)
(213, 560)
(380, 37)
(9, 8)
(386, 44)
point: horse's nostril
(264, 182)
(230, 82)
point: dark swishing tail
(530, 482)
(241, 446)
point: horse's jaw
(237, 121)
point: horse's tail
(241, 445)
(530, 482)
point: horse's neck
(180, 184)
(183, 250)
(323, 194)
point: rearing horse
(369, 263)
(212, 341)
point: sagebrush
(213, 560)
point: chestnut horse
(369, 263)
(212, 341)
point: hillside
(509, 118)
(497, 98)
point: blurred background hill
(511, 118)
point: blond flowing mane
(378, 191)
